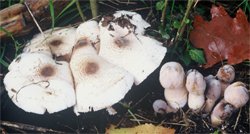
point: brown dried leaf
(141, 129)
(222, 38)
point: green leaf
(197, 55)
(52, 13)
(186, 58)
(160, 5)
(176, 24)
(187, 21)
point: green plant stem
(80, 10)
(183, 24)
(52, 13)
(94, 7)
(163, 15)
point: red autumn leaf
(222, 38)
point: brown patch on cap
(47, 71)
(65, 57)
(55, 42)
(107, 19)
(121, 42)
(124, 22)
(81, 43)
(91, 68)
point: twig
(205, 123)
(28, 127)
(134, 117)
(80, 10)
(94, 7)
(139, 9)
(183, 23)
(34, 19)
(237, 120)
(163, 15)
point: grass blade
(52, 13)
(65, 9)
(80, 11)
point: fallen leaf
(222, 38)
(141, 129)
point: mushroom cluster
(90, 67)
(200, 92)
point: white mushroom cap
(212, 94)
(89, 30)
(172, 75)
(195, 82)
(135, 19)
(95, 89)
(236, 94)
(226, 73)
(122, 46)
(36, 83)
(221, 112)
(176, 98)
(60, 42)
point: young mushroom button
(213, 93)
(196, 86)
(172, 79)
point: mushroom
(90, 30)
(58, 42)
(235, 97)
(95, 89)
(122, 42)
(161, 107)
(196, 86)
(172, 75)
(226, 76)
(172, 79)
(37, 83)
(221, 112)
(236, 94)
(213, 93)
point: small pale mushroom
(221, 112)
(161, 107)
(58, 43)
(122, 42)
(36, 83)
(172, 79)
(236, 94)
(213, 93)
(235, 97)
(172, 75)
(226, 75)
(196, 86)
(98, 83)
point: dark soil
(138, 102)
